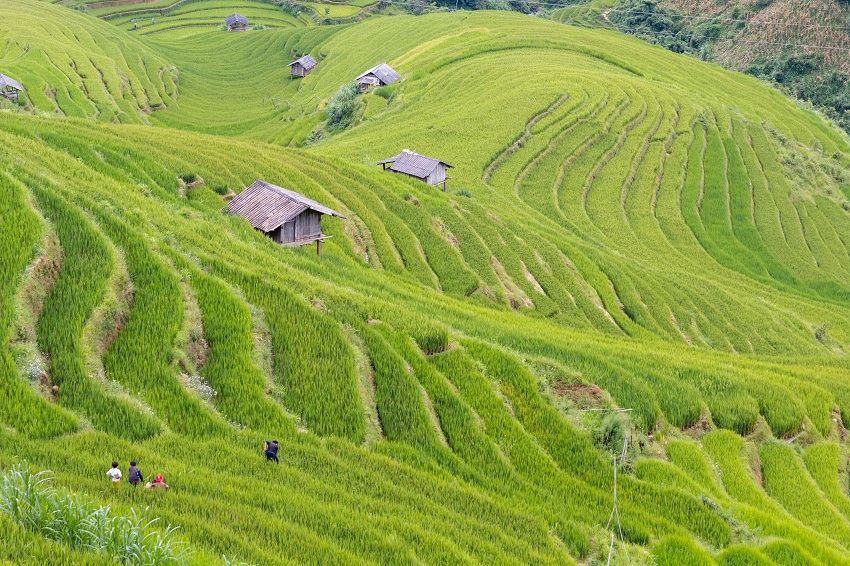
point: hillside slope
(799, 46)
(71, 65)
(624, 229)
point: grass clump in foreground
(79, 523)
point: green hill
(624, 229)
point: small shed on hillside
(302, 67)
(379, 75)
(427, 169)
(9, 88)
(236, 22)
(287, 217)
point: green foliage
(612, 432)
(140, 355)
(740, 555)
(665, 235)
(680, 551)
(22, 407)
(86, 265)
(787, 553)
(241, 389)
(78, 523)
(343, 106)
(314, 366)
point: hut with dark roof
(287, 217)
(302, 67)
(427, 169)
(9, 88)
(236, 22)
(379, 75)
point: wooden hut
(302, 67)
(9, 88)
(236, 22)
(379, 75)
(427, 169)
(287, 217)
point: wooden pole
(318, 247)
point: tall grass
(78, 523)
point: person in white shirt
(115, 474)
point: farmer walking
(134, 475)
(270, 449)
(115, 474)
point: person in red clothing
(158, 483)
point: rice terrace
(409, 283)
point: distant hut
(235, 22)
(287, 217)
(379, 75)
(410, 163)
(302, 67)
(9, 88)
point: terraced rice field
(187, 17)
(624, 229)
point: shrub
(343, 106)
(611, 433)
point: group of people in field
(134, 476)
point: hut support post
(318, 247)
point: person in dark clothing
(271, 450)
(134, 475)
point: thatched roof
(234, 19)
(413, 164)
(382, 72)
(306, 61)
(268, 206)
(9, 82)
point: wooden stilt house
(287, 217)
(236, 22)
(9, 88)
(426, 169)
(302, 67)
(379, 75)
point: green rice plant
(570, 449)
(399, 397)
(457, 420)
(665, 474)
(23, 546)
(823, 462)
(20, 407)
(680, 551)
(314, 366)
(140, 354)
(657, 202)
(241, 389)
(77, 523)
(787, 553)
(731, 407)
(86, 266)
(455, 277)
(786, 481)
(688, 457)
(740, 555)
